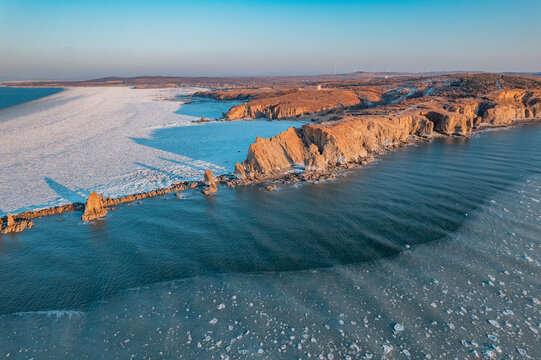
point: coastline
(97, 149)
(232, 180)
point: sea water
(10, 96)
(433, 251)
(207, 108)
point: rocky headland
(349, 123)
(315, 149)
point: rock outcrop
(51, 211)
(504, 107)
(12, 225)
(318, 147)
(293, 104)
(210, 187)
(450, 123)
(240, 174)
(94, 207)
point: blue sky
(59, 39)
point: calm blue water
(10, 96)
(432, 250)
(220, 143)
(207, 108)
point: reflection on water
(432, 250)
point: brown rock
(13, 226)
(210, 187)
(275, 155)
(503, 114)
(240, 174)
(318, 146)
(507, 106)
(94, 207)
(450, 123)
(207, 190)
(293, 104)
(10, 221)
(313, 160)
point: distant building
(319, 86)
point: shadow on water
(220, 143)
(409, 197)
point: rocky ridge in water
(9, 224)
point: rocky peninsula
(345, 123)
(317, 148)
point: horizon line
(438, 72)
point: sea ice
(114, 140)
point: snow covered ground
(58, 149)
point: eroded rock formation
(210, 187)
(94, 207)
(293, 104)
(11, 225)
(317, 147)
(505, 106)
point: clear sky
(61, 39)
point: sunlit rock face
(354, 139)
(319, 146)
(509, 105)
(210, 187)
(94, 207)
(293, 104)
(10, 225)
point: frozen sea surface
(58, 149)
(432, 252)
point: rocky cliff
(94, 207)
(320, 147)
(357, 119)
(293, 104)
(505, 106)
